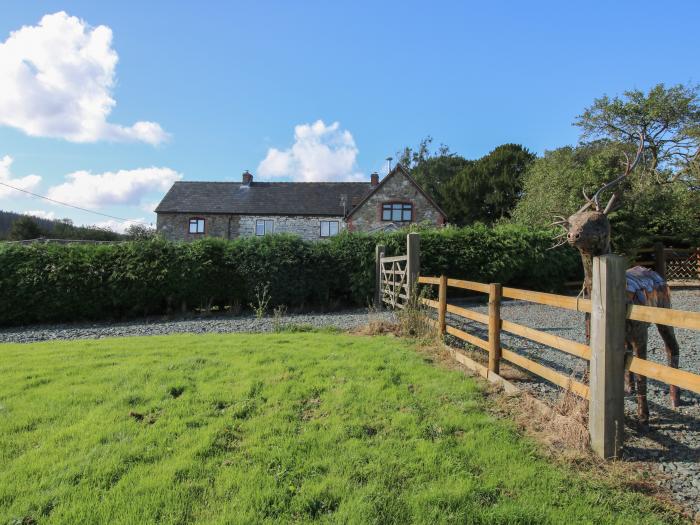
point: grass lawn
(270, 428)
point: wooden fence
(680, 266)
(605, 391)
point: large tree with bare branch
(669, 120)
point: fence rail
(650, 369)
(496, 352)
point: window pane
(200, 226)
(333, 227)
(259, 227)
(407, 214)
(386, 214)
(269, 227)
(193, 226)
(325, 226)
(396, 215)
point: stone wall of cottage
(397, 189)
(307, 227)
(175, 226)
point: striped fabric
(646, 287)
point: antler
(629, 168)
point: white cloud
(57, 81)
(118, 226)
(123, 187)
(149, 206)
(319, 153)
(29, 183)
(41, 214)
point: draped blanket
(646, 287)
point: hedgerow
(53, 282)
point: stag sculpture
(588, 230)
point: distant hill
(58, 229)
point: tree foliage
(57, 228)
(483, 190)
(139, 232)
(25, 228)
(555, 183)
(669, 119)
(487, 190)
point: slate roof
(264, 198)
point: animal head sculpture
(589, 230)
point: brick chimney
(247, 178)
(374, 179)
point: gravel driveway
(344, 320)
(673, 444)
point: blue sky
(225, 86)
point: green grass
(270, 428)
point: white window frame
(329, 231)
(268, 227)
(199, 225)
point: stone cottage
(313, 210)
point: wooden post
(606, 422)
(442, 305)
(413, 261)
(660, 259)
(379, 252)
(494, 328)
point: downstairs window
(196, 225)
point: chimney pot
(374, 179)
(247, 177)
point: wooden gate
(394, 281)
(397, 276)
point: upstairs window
(264, 227)
(329, 228)
(397, 212)
(196, 225)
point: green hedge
(51, 282)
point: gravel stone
(342, 320)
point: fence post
(442, 305)
(379, 252)
(660, 259)
(412, 261)
(494, 328)
(608, 311)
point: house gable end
(401, 172)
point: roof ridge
(271, 182)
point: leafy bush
(52, 283)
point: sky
(105, 105)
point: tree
(483, 190)
(139, 232)
(668, 118)
(432, 170)
(25, 228)
(487, 190)
(554, 184)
